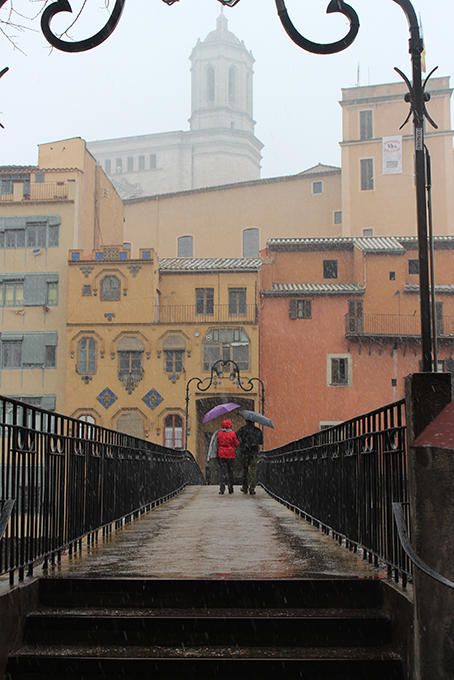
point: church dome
(222, 33)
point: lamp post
(216, 374)
(416, 97)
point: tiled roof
(315, 243)
(209, 264)
(414, 288)
(286, 289)
(440, 242)
(391, 245)
(379, 244)
(321, 169)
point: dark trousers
(225, 473)
(249, 462)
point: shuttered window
(300, 309)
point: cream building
(66, 201)
(220, 146)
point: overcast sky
(138, 82)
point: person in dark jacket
(251, 439)
(226, 450)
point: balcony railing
(218, 314)
(39, 191)
(393, 326)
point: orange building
(340, 327)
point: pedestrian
(226, 449)
(251, 439)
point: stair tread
(383, 653)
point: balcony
(180, 314)
(35, 191)
(393, 327)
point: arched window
(130, 360)
(232, 84)
(173, 431)
(86, 357)
(226, 343)
(132, 423)
(185, 246)
(86, 431)
(110, 288)
(251, 242)
(211, 83)
(174, 347)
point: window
(339, 370)
(211, 84)
(365, 125)
(52, 293)
(141, 162)
(185, 246)
(251, 242)
(367, 174)
(36, 235)
(86, 359)
(392, 276)
(14, 238)
(11, 354)
(13, 293)
(237, 301)
(338, 217)
(118, 166)
(413, 266)
(300, 309)
(110, 288)
(173, 360)
(86, 290)
(131, 423)
(152, 161)
(52, 235)
(232, 84)
(50, 356)
(130, 164)
(368, 232)
(439, 318)
(173, 431)
(317, 187)
(32, 233)
(330, 269)
(204, 300)
(40, 177)
(108, 166)
(226, 343)
(130, 359)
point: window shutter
(33, 350)
(35, 289)
(292, 309)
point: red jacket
(227, 443)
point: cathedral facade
(219, 148)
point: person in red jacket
(227, 443)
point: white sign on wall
(392, 155)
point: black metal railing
(394, 326)
(69, 479)
(345, 480)
(214, 314)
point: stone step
(252, 630)
(126, 593)
(218, 666)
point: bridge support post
(430, 420)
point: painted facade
(65, 201)
(339, 327)
(220, 146)
(138, 330)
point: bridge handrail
(70, 478)
(344, 479)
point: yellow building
(64, 202)
(139, 329)
(372, 194)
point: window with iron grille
(204, 300)
(300, 309)
(330, 269)
(367, 174)
(110, 288)
(237, 301)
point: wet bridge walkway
(200, 534)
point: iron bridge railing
(69, 479)
(345, 480)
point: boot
(230, 489)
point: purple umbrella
(219, 410)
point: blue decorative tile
(152, 399)
(107, 398)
